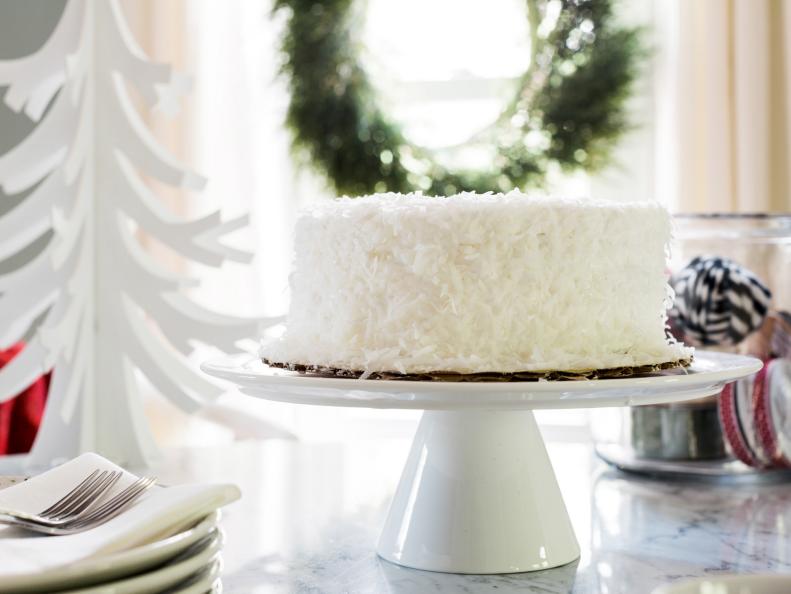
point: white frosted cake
(475, 284)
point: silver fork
(81, 498)
(87, 518)
(73, 503)
(112, 507)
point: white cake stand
(478, 494)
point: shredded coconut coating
(478, 283)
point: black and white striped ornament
(718, 302)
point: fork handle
(7, 516)
(34, 526)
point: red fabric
(21, 416)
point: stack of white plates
(167, 541)
(184, 562)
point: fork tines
(82, 507)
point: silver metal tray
(721, 470)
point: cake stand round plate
(478, 493)
(707, 375)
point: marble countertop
(311, 514)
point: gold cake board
(451, 376)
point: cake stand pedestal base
(478, 495)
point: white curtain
(723, 90)
(240, 143)
(231, 131)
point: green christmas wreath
(569, 108)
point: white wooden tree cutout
(103, 307)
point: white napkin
(160, 511)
